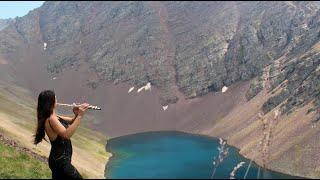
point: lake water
(175, 155)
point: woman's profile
(59, 129)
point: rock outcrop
(197, 47)
(184, 50)
(4, 23)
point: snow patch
(44, 46)
(146, 87)
(224, 89)
(165, 107)
(131, 89)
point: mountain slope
(167, 48)
(266, 53)
(4, 23)
(15, 164)
(185, 49)
(18, 121)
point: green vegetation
(15, 164)
(57, 66)
(93, 84)
(255, 87)
(274, 101)
(87, 143)
(241, 53)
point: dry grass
(89, 155)
(235, 169)
(264, 144)
(223, 153)
(279, 150)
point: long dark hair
(46, 102)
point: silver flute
(77, 105)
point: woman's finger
(83, 105)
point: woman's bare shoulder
(53, 117)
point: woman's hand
(66, 133)
(82, 109)
(76, 110)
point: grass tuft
(17, 165)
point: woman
(59, 129)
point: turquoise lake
(175, 155)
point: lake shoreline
(107, 163)
(247, 157)
(197, 135)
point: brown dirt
(227, 115)
(86, 163)
(124, 113)
(292, 134)
(17, 146)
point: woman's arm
(68, 118)
(58, 128)
(68, 132)
(71, 119)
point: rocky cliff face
(4, 23)
(193, 47)
(267, 53)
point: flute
(77, 105)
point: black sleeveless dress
(60, 157)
